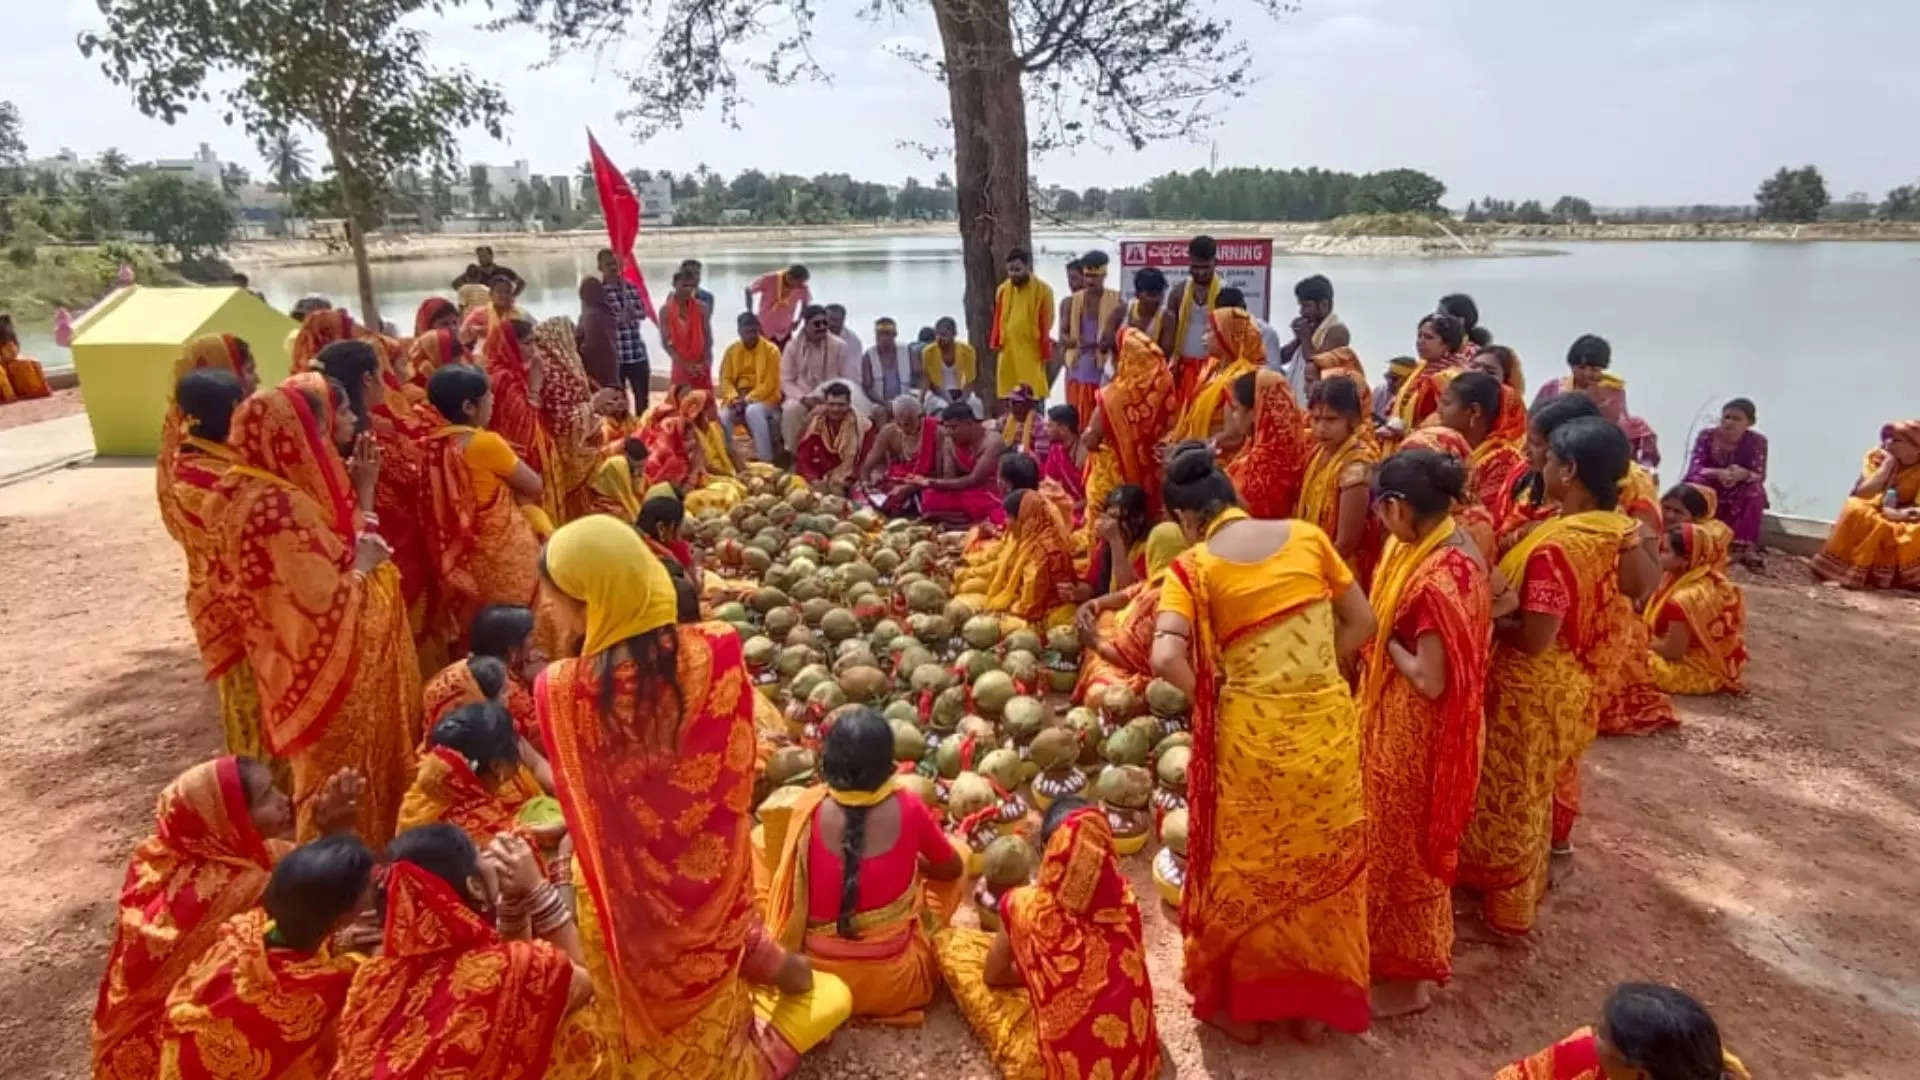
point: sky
(1624, 103)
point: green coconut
(789, 763)
(1148, 727)
(883, 634)
(744, 629)
(958, 611)
(1003, 765)
(992, 691)
(841, 552)
(1085, 725)
(1054, 748)
(857, 590)
(1023, 717)
(922, 788)
(815, 610)
(1128, 787)
(854, 647)
(900, 644)
(1063, 641)
(800, 549)
(755, 560)
(766, 599)
(949, 707)
(1063, 680)
(826, 697)
(867, 518)
(908, 743)
(839, 624)
(1008, 862)
(1021, 640)
(1178, 738)
(984, 733)
(1023, 666)
(974, 663)
(1125, 747)
(1166, 699)
(926, 596)
(981, 631)
(901, 709)
(969, 794)
(793, 658)
(864, 683)
(885, 561)
(846, 527)
(932, 629)
(1173, 831)
(776, 577)
(759, 652)
(803, 635)
(930, 677)
(807, 588)
(731, 612)
(781, 620)
(1171, 769)
(802, 499)
(947, 758)
(802, 682)
(1119, 703)
(803, 565)
(859, 573)
(911, 659)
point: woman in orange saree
(1274, 445)
(217, 831)
(517, 383)
(269, 991)
(325, 628)
(654, 758)
(317, 331)
(1875, 543)
(1440, 343)
(1494, 422)
(1627, 697)
(429, 353)
(218, 352)
(20, 377)
(1034, 573)
(1255, 623)
(1116, 630)
(1645, 1030)
(568, 411)
(1697, 616)
(1333, 492)
(1538, 720)
(1236, 350)
(435, 313)
(1061, 990)
(1122, 439)
(470, 775)
(1472, 517)
(486, 547)
(1422, 696)
(863, 875)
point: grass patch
(1420, 225)
(33, 284)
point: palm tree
(287, 160)
(113, 162)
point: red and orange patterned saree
(431, 351)
(255, 1009)
(331, 650)
(1501, 458)
(454, 686)
(220, 351)
(1422, 755)
(516, 417)
(1237, 349)
(447, 997)
(1076, 940)
(485, 552)
(204, 864)
(1036, 558)
(1627, 698)
(1714, 610)
(317, 331)
(446, 789)
(1136, 409)
(1268, 469)
(1468, 513)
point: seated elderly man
(896, 451)
(962, 488)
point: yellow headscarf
(602, 562)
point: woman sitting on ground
(282, 951)
(857, 868)
(20, 377)
(1875, 543)
(1646, 1031)
(1061, 988)
(1119, 556)
(1033, 578)
(1698, 617)
(1116, 630)
(1730, 459)
(472, 774)
(502, 633)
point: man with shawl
(955, 473)
(1089, 350)
(830, 445)
(1061, 990)
(1183, 337)
(1022, 326)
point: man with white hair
(895, 454)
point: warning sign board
(1245, 264)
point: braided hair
(858, 756)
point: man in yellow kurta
(750, 385)
(1022, 326)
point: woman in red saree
(470, 775)
(1116, 630)
(218, 352)
(217, 831)
(1440, 344)
(1627, 697)
(324, 624)
(1698, 617)
(1494, 422)
(1255, 621)
(1063, 462)
(268, 993)
(1237, 350)
(517, 379)
(429, 353)
(317, 331)
(1333, 492)
(654, 759)
(1274, 446)
(1061, 990)
(1122, 438)
(435, 313)
(1422, 697)
(1468, 513)
(1645, 1030)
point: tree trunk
(989, 158)
(350, 190)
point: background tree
(114, 162)
(287, 161)
(1082, 60)
(1066, 201)
(1792, 195)
(191, 218)
(359, 77)
(1398, 191)
(13, 147)
(1902, 204)
(233, 177)
(1573, 210)
(1094, 200)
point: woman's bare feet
(1400, 997)
(1243, 1033)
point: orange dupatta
(204, 864)
(196, 478)
(454, 686)
(431, 351)
(447, 997)
(1468, 512)
(250, 1000)
(515, 417)
(1237, 349)
(1077, 943)
(1136, 407)
(1712, 605)
(1500, 458)
(430, 311)
(219, 351)
(446, 789)
(1343, 362)
(1267, 470)
(1037, 556)
(317, 331)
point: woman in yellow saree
(862, 876)
(1116, 630)
(1236, 349)
(1333, 494)
(1440, 342)
(1423, 696)
(324, 624)
(1033, 574)
(1698, 617)
(1875, 543)
(1538, 720)
(21, 377)
(1122, 439)
(1061, 990)
(1627, 698)
(653, 750)
(1255, 625)
(569, 410)
(218, 352)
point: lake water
(1811, 332)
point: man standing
(750, 385)
(1088, 350)
(683, 333)
(482, 269)
(885, 369)
(851, 347)
(782, 293)
(1315, 330)
(1146, 313)
(1022, 327)
(1184, 337)
(811, 357)
(623, 301)
(695, 270)
(1075, 282)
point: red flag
(621, 207)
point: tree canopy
(1792, 195)
(190, 217)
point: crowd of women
(457, 641)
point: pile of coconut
(841, 609)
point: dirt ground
(60, 403)
(1761, 856)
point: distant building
(64, 165)
(656, 200)
(562, 186)
(203, 166)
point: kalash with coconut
(840, 610)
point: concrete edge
(68, 461)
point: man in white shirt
(852, 349)
(812, 357)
